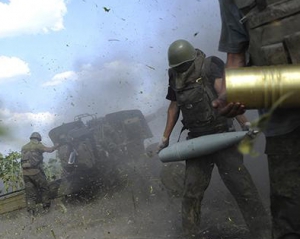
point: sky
(61, 58)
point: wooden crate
(12, 201)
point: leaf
(151, 67)
(10, 172)
(63, 207)
(151, 189)
(262, 122)
(246, 146)
(106, 9)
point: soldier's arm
(172, 117)
(231, 109)
(173, 109)
(243, 121)
(218, 85)
(235, 60)
(50, 149)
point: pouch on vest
(194, 100)
(30, 159)
(275, 34)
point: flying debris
(92, 146)
(151, 67)
(106, 9)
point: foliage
(52, 169)
(262, 122)
(10, 171)
(246, 146)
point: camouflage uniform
(284, 172)
(36, 189)
(193, 96)
(36, 185)
(238, 181)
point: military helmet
(36, 135)
(180, 51)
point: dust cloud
(146, 202)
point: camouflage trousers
(238, 181)
(37, 190)
(284, 171)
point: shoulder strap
(206, 66)
(206, 69)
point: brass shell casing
(261, 87)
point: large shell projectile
(203, 145)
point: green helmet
(36, 135)
(179, 52)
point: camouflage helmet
(36, 135)
(180, 51)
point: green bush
(53, 169)
(10, 172)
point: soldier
(194, 82)
(269, 31)
(36, 185)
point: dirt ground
(139, 206)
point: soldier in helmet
(194, 82)
(36, 185)
(269, 32)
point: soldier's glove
(163, 144)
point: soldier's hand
(163, 144)
(228, 110)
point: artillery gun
(95, 151)
(94, 148)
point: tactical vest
(274, 30)
(31, 159)
(194, 96)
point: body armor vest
(274, 31)
(194, 94)
(274, 38)
(31, 159)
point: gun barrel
(261, 87)
(197, 147)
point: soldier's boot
(32, 214)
